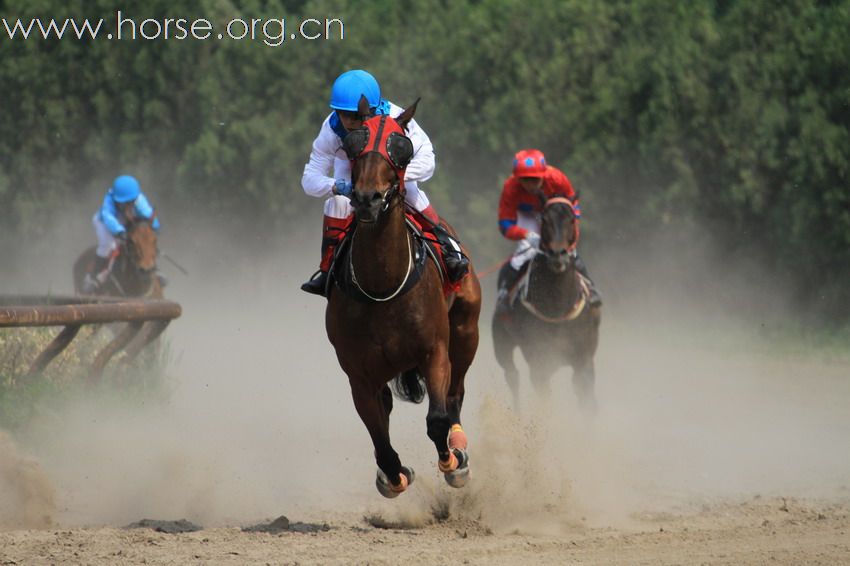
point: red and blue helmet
(529, 163)
(350, 86)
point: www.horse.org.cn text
(272, 32)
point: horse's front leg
(584, 384)
(453, 462)
(374, 408)
(540, 370)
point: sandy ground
(757, 531)
(712, 445)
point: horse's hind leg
(374, 410)
(463, 344)
(503, 345)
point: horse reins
(569, 203)
(572, 314)
(580, 303)
(400, 287)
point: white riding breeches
(524, 251)
(105, 240)
(339, 206)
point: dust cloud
(26, 495)
(696, 402)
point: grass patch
(23, 398)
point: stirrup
(316, 284)
(457, 264)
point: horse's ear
(405, 117)
(363, 109)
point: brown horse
(133, 275)
(134, 269)
(399, 329)
(551, 321)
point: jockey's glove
(343, 188)
(532, 238)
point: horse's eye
(399, 150)
(355, 142)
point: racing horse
(551, 319)
(133, 274)
(400, 326)
(133, 271)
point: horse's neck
(380, 253)
(128, 281)
(552, 292)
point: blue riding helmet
(349, 86)
(125, 188)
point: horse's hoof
(391, 491)
(460, 475)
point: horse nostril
(376, 196)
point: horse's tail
(409, 386)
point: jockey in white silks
(328, 172)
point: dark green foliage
(732, 114)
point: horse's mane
(139, 221)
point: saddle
(425, 246)
(519, 293)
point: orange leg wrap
(457, 438)
(450, 465)
(401, 486)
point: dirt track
(757, 531)
(711, 447)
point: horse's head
(141, 248)
(559, 233)
(379, 152)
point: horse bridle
(397, 151)
(387, 197)
(580, 303)
(126, 263)
(563, 200)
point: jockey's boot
(95, 278)
(333, 230)
(457, 264)
(508, 277)
(595, 298)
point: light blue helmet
(125, 188)
(349, 86)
